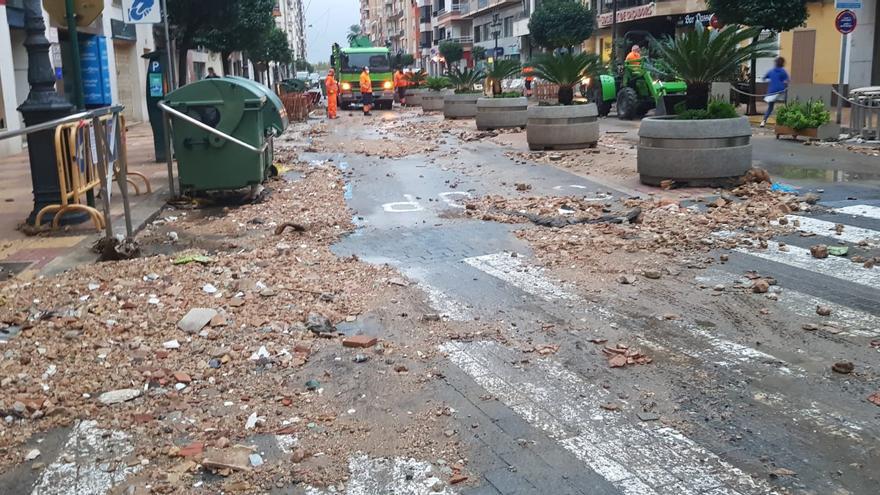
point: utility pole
(496, 32)
(614, 32)
(78, 99)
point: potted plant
(809, 119)
(702, 56)
(502, 110)
(463, 103)
(560, 25)
(709, 144)
(432, 99)
(565, 125)
(416, 87)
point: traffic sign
(141, 11)
(846, 22)
(848, 4)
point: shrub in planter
(432, 100)
(463, 103)
(703, 56)
(565, 125)
(708, 147)
(502, 110)
(809, 119)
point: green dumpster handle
(201, 125)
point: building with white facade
(124, 76)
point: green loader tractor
(635, 91)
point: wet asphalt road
(748, 401)
(739, 400)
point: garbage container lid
(219, 103)
(276, 117)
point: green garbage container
(237, 108)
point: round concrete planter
(562, 127)
(697, 153)
(502, 113)
(432, 101)
(461, 106)
(414, 96)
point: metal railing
(169, 112)
(90, 150)
(864, 117)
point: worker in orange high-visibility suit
(366, 90)
(332, 93)
(400, 84)
(634, 58)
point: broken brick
(359, 341)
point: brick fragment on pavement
(360, 341)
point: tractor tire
(627, 104)
(603, 106)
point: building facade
(118, 77)
(290, 18)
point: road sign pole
(842, 76)
(76, 68)
(171, 71)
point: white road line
(836, 267)
(532, 280)
(826, 229)
(861, 211)
(832, 423)
(448, 307)
(400, 476)
(527, 278)
(88, 447)
(637, 458)
(850, 321)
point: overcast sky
(327, 21)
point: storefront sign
(627, 15)
(690, 19)
(848, 4)
(846, 22)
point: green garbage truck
(350, 62)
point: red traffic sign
(846, 22)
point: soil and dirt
(269, 349)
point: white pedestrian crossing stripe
(850, 321)
(866, 211)
(638, 458)
(849, 233)
(836, 267)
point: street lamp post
(42, 105)
(496, 32)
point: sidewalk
(53, 251)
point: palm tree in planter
(415, 87)
(567, 71)
(432, 100)
(502, 110)
(463, 103)
(561, 25)
(703, 56)
(709, 145)
(565, 125)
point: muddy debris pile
(591, 231)
(196, 352)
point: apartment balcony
(465, 41)
(481, 7)
(425, 26)
(396, 15)
(452, 12)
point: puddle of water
(823, 175)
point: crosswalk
(581, 427)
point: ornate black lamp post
(42, 105)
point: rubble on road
(646, 232)
(621, 355)
(141, 346)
